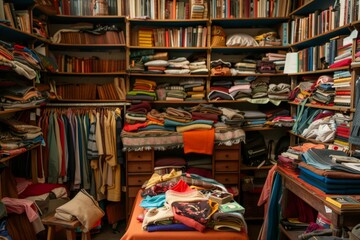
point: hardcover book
(232, 206)
(344, 202)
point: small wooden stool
(52, 222)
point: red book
(167, 38)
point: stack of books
(198, 9)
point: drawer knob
(226, 155)
(226, 166)
(139, 181)
(226, 179)
(138, 156)
(139, 168)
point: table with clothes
(176, 205)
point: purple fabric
(169, 227)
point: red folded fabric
(342, 63)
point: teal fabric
(171, 123)
(153, 202)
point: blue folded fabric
(335, 181)
(327, 187)
(169, 227)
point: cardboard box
(221, 197)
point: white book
(342, 13)
(291, 62)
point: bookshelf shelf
(232, 50)
(192, 49)
(292, 235)
(317, 72)
(5, 159)
(253, 74)
(9, 34)
(92, 47)
(312, 6)
(18, 109)
(168, 22)
(89, 73)
(307, 139)
(332, 108)
(248, 22)
(78, 102)
(168, 75)
(239, 101)
(322, 38)
(70, 19)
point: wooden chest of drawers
(226, 165)
(139, 168)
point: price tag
(32, 117)
(38, 112)
(327, 209)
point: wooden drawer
(137, 180)
(139, 155)
(226, 178)
(141, 167)
(224, 147)
(226, 166)
(132, 191)
(227, 155)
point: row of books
(89, 7)
(19, 19)
(314, 24)
(168, 9)
(89, 91)
(172, 37)
(322, 56)
(250, 8)
(94, 64)
(109, 37)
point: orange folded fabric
(199, 141)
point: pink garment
(22, 184)
(15, 205)
(239, 87)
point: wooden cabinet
(139, 168)
(226, 163)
